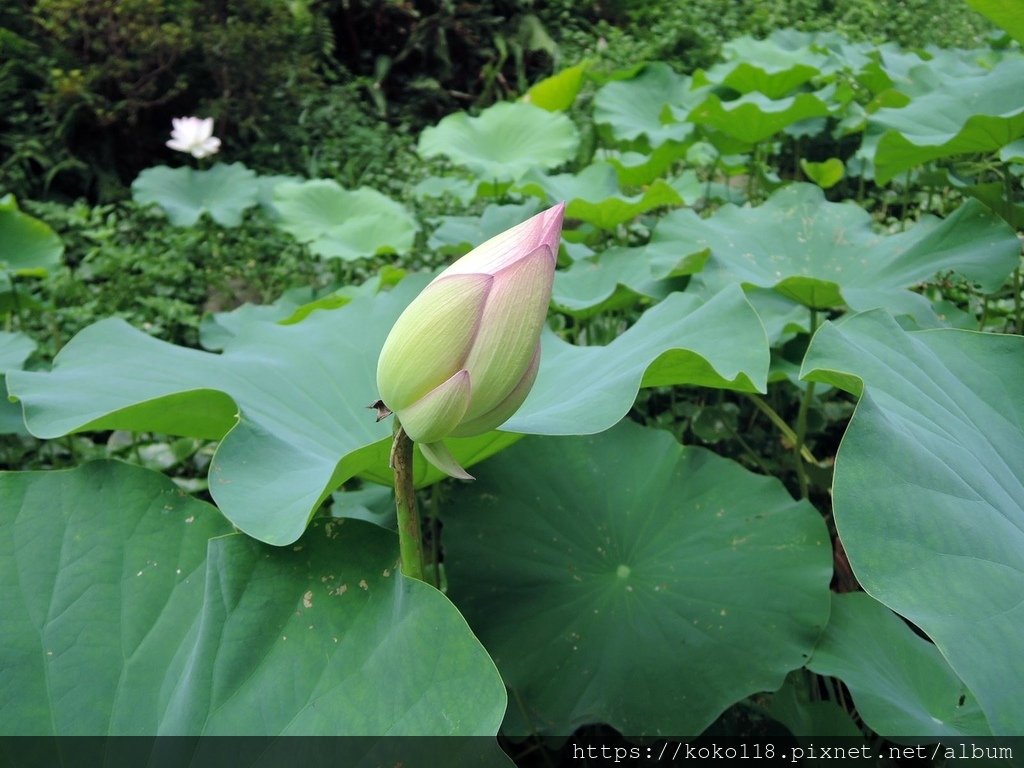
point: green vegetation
(762, 489)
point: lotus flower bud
(462, 357)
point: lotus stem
(801, 422)
(410, 535)
(1017, 310)
(435, 535)
(780, 424)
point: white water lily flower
(194, 135)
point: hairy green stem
(435, 534)
(16, 301)
(906, 203)
(801, 423)
(801, 433)
(1017, 309)
(410, 536)
(780, 424)
(747, 448)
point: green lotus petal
(224, 192)
(504, 141)
(437, 413)
(28, 246)
(930, 459)
(498, 415)
(509, 328)
(510, 247)
(628, 580)
(465, 451)
(439, 456)
(432, 338)
(130, 608)
(899, 681)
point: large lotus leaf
(459, 234)
(975, 113)
(782, 317)
(638, 582)
(825, 254)
(928, 489)
(292, 306)
(636, 169)
(892, 67)
(913, 74)
(773, 67)
(267, 185)
(899, 681)
(558, 92)
(825, 174)
(636, 108)
(807, 716)
(290, 401)
(15, 349)
(994, 195)
(28, 246)
(185, 194)
(618, 276)
(344, 223)
(682, 340)
(130, 608)
(1008, 14)
(504, 141)
(593, 195)
(462, 190)
(753, 117)
(615, 278)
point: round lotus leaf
(625, 579)
(131, 608)
(28, 246)
(504, 141)
(343, 223)
(185, 194)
